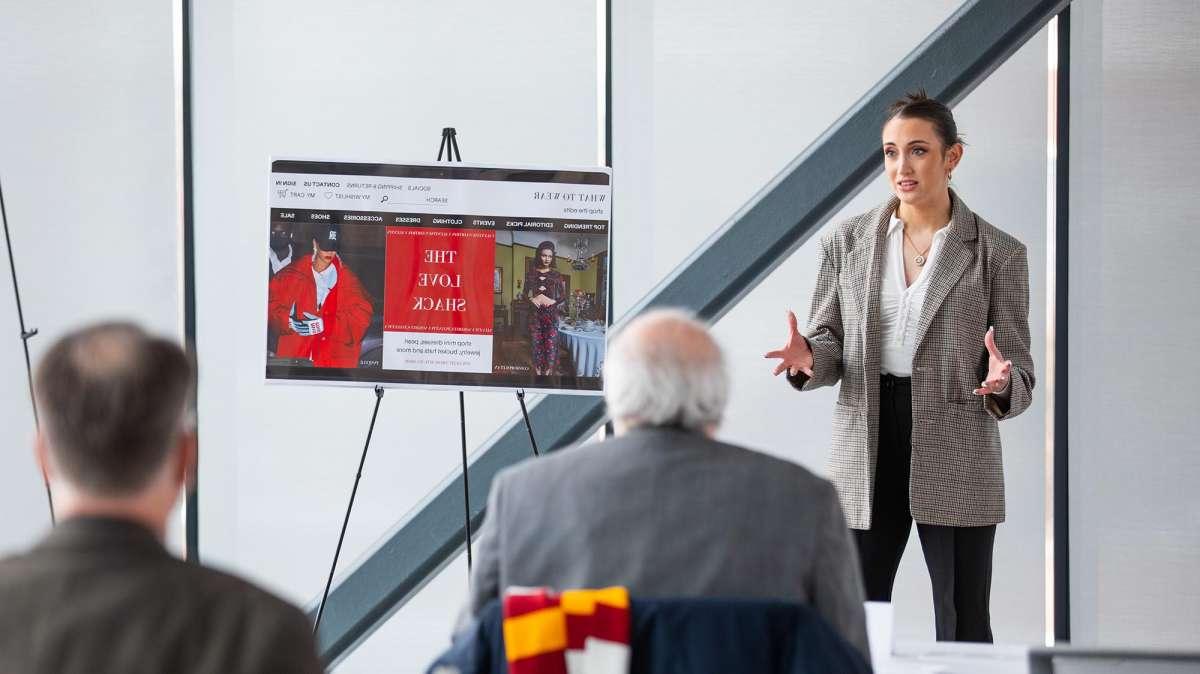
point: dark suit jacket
(668, 513)
(103, 595)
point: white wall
(359, 80)
(87, 160)
(1135, 507)
(725, 98)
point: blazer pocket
(972, 405)
(849, 433)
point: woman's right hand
(795, 356)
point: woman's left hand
(999, 369)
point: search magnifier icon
(383, 199)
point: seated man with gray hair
(100, 593)
(665, 509)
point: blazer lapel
(952, 260)
(872, 338)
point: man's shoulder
(647, 446)
(569, 459)
(220, 589)
(774, 467)
(129, 582)
(77, 603)
(16, 568)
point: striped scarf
(576, 632)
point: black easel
(449, 148)
(349, 507)
(25, 335)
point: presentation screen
(438, 275)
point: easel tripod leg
(462, 418)
(349, 507)
(528, 426)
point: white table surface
(954, 658)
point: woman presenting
(545, 289)
(921, 309)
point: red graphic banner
(439, 280)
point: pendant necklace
(920, 258)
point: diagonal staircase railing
(948, 64)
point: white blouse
(900, 305)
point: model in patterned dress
(546, 290)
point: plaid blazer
(980, 279)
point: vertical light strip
(187, 267)
(604, 143)
(177, 82)
(1051, 287)
(601, 83)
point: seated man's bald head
(105, 351)
(665, 369)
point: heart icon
(329, 195)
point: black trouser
(959, 558)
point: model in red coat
(318, 307)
